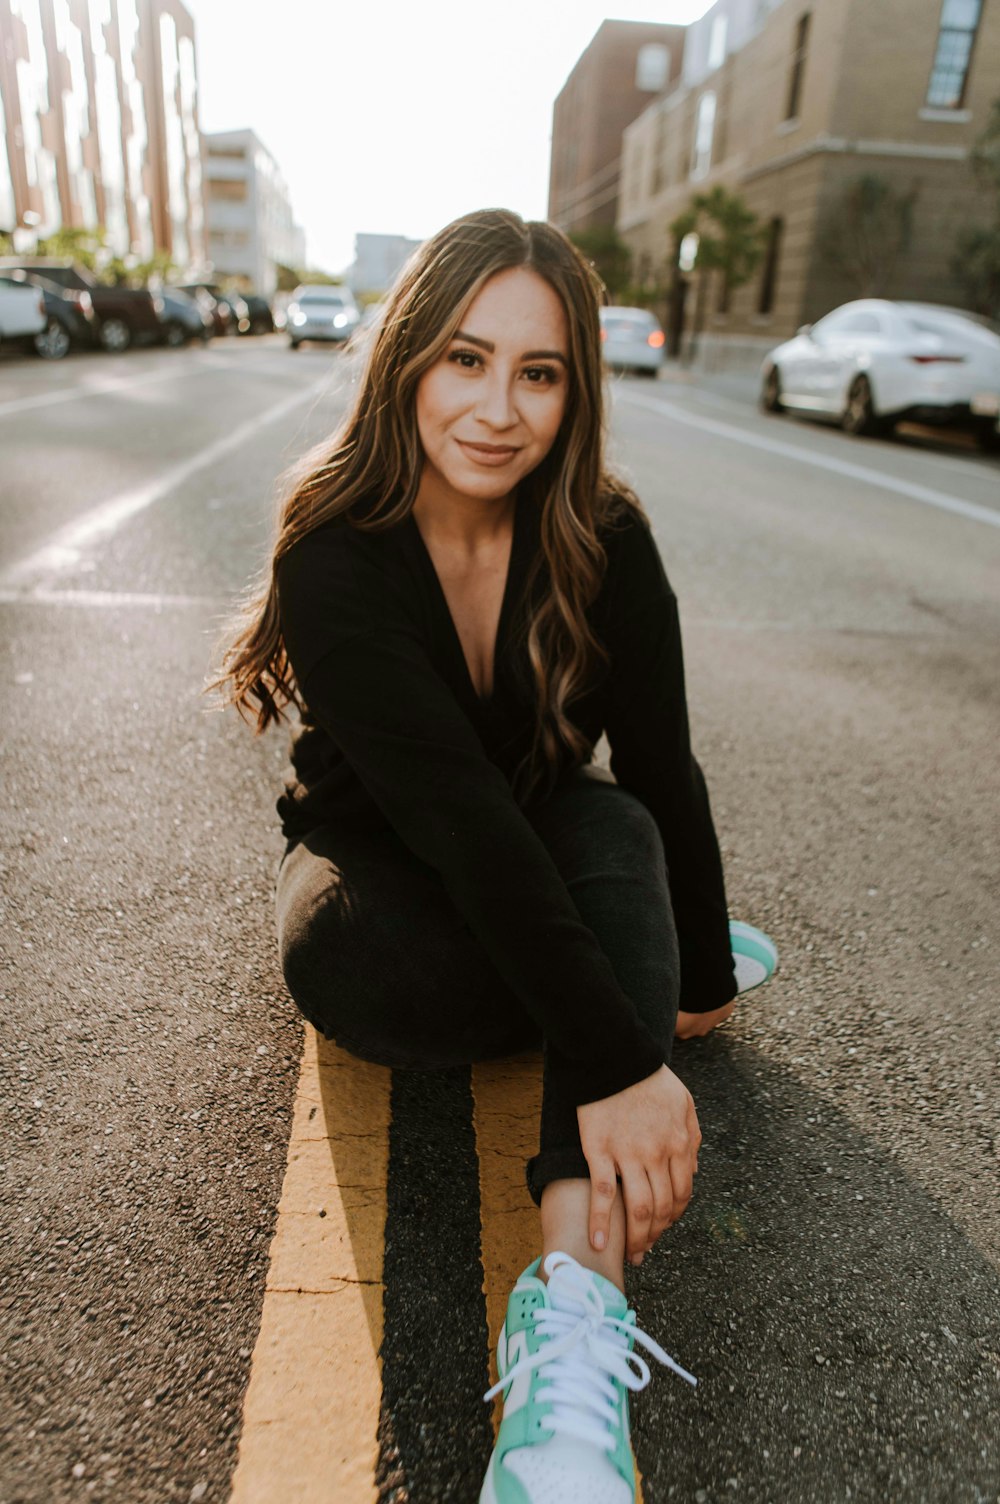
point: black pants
(378, 958)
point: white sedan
(631, 339)
(22, 311)
(873, 363)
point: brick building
(627, 64)
(789, 103)
(99, 100)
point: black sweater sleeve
(363, 671)
(649, 736)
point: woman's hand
(693, 1025)
(649, 1135)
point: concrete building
(377, 260)
(789, 103)
(100, 110)
(250, 226)
(627, 64)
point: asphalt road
(834, 1283)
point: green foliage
(865, 231)
(291, 277)
(730, 235)
(976, 262)
(607, 253)
(83, 245)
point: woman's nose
(496, 403)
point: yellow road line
(311, 1413)
(507, 1104)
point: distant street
(835, 1283)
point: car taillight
(927, 360)
(604, 334)
(655, 339)
(41, 303)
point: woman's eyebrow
(487, 344)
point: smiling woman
(461, 600)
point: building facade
(99, 100)
(627, 64)
(251, 231)
(377, 260)
(845, 127)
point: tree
(291, 277)
(730, 243)
(865, 232)
(976, 263)
(607, 253)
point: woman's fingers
(665, 1208)
(637, 1194)
(603, 1190)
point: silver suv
(321, 311)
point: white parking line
(910, 489)
(66, 547)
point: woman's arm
(648, 732)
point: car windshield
(954, 324)
(628, 322)
(332, 298)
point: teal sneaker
(566, 1363)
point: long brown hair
(376, 452)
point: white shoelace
(588, 1350)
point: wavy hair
(376, 453)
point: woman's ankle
(566, 1227)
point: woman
(461, 600)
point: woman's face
(489, 409)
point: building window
(233, 190)
(652, 68)
(798, 68)
(701, 154)
(957, 33)
(770, 276)
(717, 42)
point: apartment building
(99, 100)
(378, 259)
(627, 64)
(791, 103)
(251, 231)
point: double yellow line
(311, 1412)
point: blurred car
(70, 317)
(22, 312)
(123, 315)
(875, 362)
(321, 311)
(182, 316)
(259, 315)
(632, 340)
(229, 310)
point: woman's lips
(485, 455)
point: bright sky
(393, 118)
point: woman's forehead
(513, 300)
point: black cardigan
(395, 733)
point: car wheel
(770, 392)
(988, 438)
(293, 344)
(115, 335)
(859, 416)
(52, 342)
(174, 334)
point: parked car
(632, 340)
(874, 362)
(123, 315)
(69, 316)
(219, 312)
(259, 314)
(229, 309)
(182, 316)
(321, 311)
(22, 312)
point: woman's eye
(548, 374)
(463, 355)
